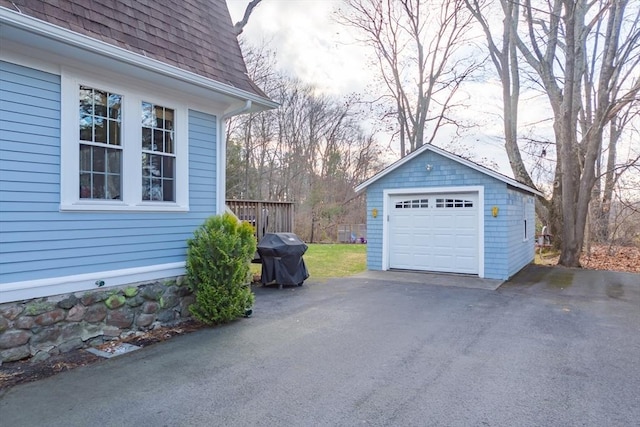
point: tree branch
(239, 26)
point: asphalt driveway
(551, 347)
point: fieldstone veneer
(43, 327)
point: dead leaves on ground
(603, 257)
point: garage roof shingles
(194, 35)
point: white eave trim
(80, 41)
(450, 156)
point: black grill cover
(281, 255)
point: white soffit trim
(21, 22)
(444, 153)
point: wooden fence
(265, 216)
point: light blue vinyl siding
(37, 241)
(499, 237)
(521, 252)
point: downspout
(221, 176)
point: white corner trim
(18, 291)
(386, 202)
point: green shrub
(218, 269)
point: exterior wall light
(428, 167)
(494, 211)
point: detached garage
(435, 211)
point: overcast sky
(314, 48)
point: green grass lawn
(325, 261)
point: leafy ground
(601, 257)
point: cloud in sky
(313, 47)
(308, 42)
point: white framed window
(526, 236)
(122, 149)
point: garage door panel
(442, 236)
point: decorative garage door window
(412, 204)
(454, 203)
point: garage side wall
(521, 223)
(444, 173)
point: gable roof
(193, 35)
(430, 147)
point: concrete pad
(435, 279)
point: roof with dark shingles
(194, 35)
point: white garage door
(434, 232)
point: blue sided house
(112, 152)
(435, 211)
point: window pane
(98, 186)
(156, 165)
(85, 185)
(168, 169)
(86, 128)
(115, 106)
(113, 187)
(100, 103)
(146, 189)
(86, 100)
(167, 190)
(113, 161)
(156, 189)
(168, 142)
(85, 158)
(147, 115)
(101, 126)
(114, 132)
(158, 145)
(168, 119)
(146, 139)
(100, 130)
(158, 169)
(98, 159)
(158, 113)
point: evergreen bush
(218, 269)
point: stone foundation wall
(43, 327)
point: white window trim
(132, 151)
(525, 220)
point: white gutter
(79, 41)
(221, 175)
(246, 107)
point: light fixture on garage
(428, 167)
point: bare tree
(504, 56)
(417, 47)
(239, 26)
(571, 41)
(613, 170)
(585, 55)
(310, 150)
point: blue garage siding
(38, 241)
(445, 173)
(521, 251)
(374, 226)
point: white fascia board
(450, 156)
(41, 28)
